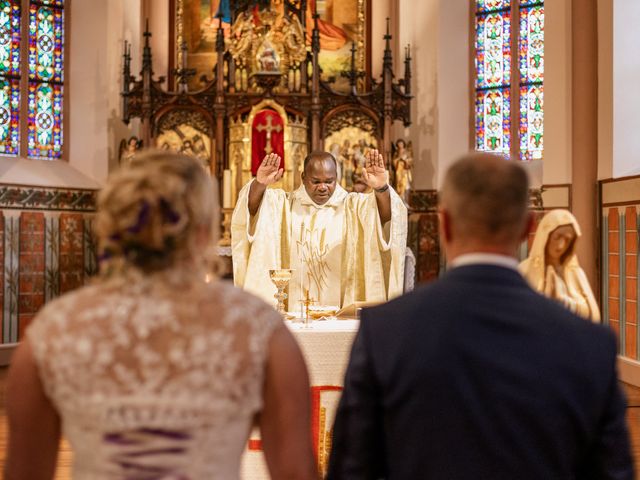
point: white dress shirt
(484, 259)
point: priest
(342, 247)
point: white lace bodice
(155, 377)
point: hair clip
(105, 255)
(168, 213)
(143, 218)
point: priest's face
(319, 179)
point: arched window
(31, 78)
(509, 74)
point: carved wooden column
(219, 163)
(147, 79)
(387, 74)
(316, 108)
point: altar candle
(226, 189)
(301, 257)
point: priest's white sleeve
(377, 272)
(392, 242)
(258, 243)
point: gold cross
(269, 128)
(307, 302)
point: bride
(151, 372)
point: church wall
(438, 32)
(619, 193)
(584, 132)
(418, 26)
(47, 207)
(453, 106)
(158, 13)
(380, 10)
(556, 166)
(605, 89)
(95, 66)
(620, 288)
(626, 96)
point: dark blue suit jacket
(476, 376)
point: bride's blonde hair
(151, 212)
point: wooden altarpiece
(265, 63)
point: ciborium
(280, 279)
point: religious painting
(343, 24)
(185, 132)
(349, 146)
(196, 25)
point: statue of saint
(347, 165)
(402, 166)
(358, 156)
(335, 150)
(242, 34)
(552, 267)
(359, 185)
(128, 149)
(268, 58)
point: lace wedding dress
(155, 377)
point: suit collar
(483, 273)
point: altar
(326, 346)
(265, 76)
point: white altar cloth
(326, 346)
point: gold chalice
(280, 279)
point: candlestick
(226, 189)
(301, 257)
(225, 237)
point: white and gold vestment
(339, 251)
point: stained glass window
(31, 72)
(490, 5)
(46, 76)
(9, 77)
(493, 76)
(531, 59)
(45, 120)
(493, 119)
(501, 112)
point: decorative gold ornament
(280, 279)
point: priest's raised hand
(269, 172)
(376, 176)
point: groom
(477, 376)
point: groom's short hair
(317, 156)
(487, 196)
